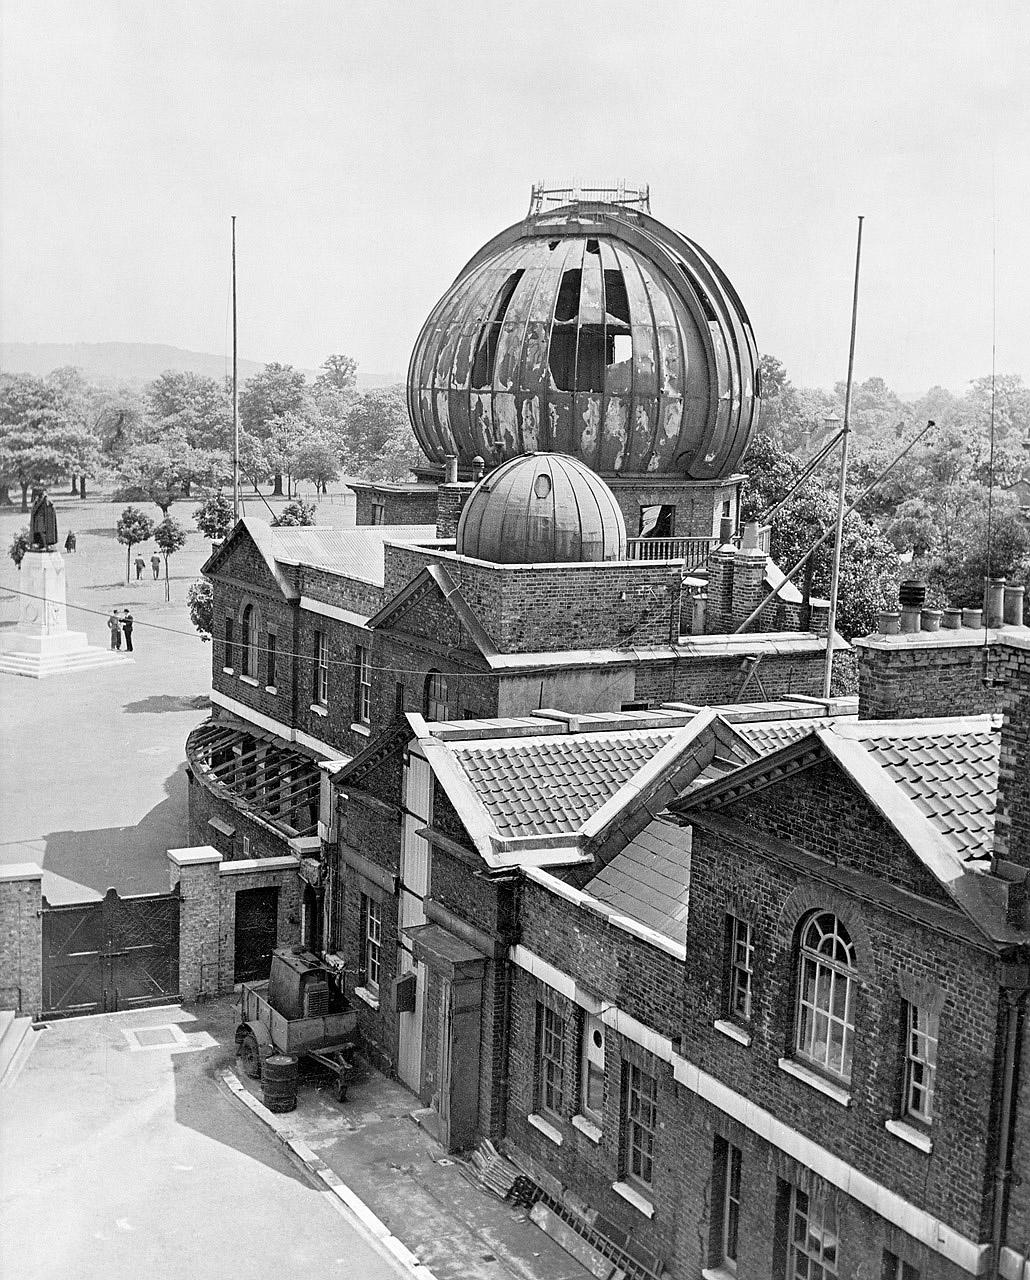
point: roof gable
(257, 535)
(409, 603)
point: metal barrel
(279, 1082)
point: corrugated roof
(949, 772)
(354, 553)
(649, 880)
(543, 786)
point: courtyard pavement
(92, 763)
(124, 1154)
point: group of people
(155, 564)
(120, 625)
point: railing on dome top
(544, 197)
(694, 552)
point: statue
(42, 522)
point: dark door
(257, 912)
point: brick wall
(204, 804)
(698, 505)
(704, 680)
(897, 954)
(364, 598)
(402, 506)
(905, 677)
(21, 939)
(1012, 816)
(450, 500)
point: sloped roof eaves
(260, 535)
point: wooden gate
(119, 953)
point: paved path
(121, 1162)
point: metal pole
(845, 435)
(235, 393)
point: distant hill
(137, 361)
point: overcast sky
(369, 149)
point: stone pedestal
(42, 645)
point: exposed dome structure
(592, 330)
(544, 508)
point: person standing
(141, 564)
(70, 542)
(127, 623)
(155, 564)
(115, 628)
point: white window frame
(372, 926)
(639, 1125)
(364, 707)
(321, 669)
(550, 1062)
(591, 1066)
(729, 1245)
(826, 968)
(742, 968)
(922, 1030)
(811, 1226)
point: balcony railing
(694, 552)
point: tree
(317, 459)
(338, 374)
(277, 390)
(200, 602)
(19, 545)
(957, 574)
(214, 517)
(42, 438)
(378, 442)
(170, 537)
(198, 406)
(158, 473)
(133, 528)
(295, 513)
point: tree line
(171, 439)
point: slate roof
(543, 786)
(948, 769)
(649, 880)
(354, 553)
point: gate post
(21, 938)
(195, 871)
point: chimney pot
(478, 467)
(994, 601)
(450, 469)
(912, 593)
(973, 618)
(1014, 606)
(931, 619)
(750, 540)
(952, 619)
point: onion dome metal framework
(545, 508)
(591, 330)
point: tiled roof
(771, 735)
(649, 880)
(354, 553)
(949, 771)
(543, 786)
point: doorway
(257, 931)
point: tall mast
(845, 434)
(235, 392)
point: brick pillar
(749, 588)
(21, 938)
(1012, 814)
(196, 873)
(450, 498)
(719, 612)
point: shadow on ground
(160, 702)
(132, 859)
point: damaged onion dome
(542, 509)
(592, 330)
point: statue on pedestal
(42, 522)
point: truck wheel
(247, 1055)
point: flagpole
(831, 622)
(235, 393)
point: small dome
(544, 508)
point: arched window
(826, 995)
(247, 641)
(436, 700)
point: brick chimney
(451, 496)
(937, 662)
(1012, 814)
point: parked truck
(300, 1010)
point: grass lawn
(94, 786)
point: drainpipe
(1015, 978)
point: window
(378, 513)
(826, 996)
(892, 1268)
(591, 1087)
(921, 1027)
(371, 942)
(270, 660)
(436, 702)
(742, 959)
(812, 1246)
(246, 640)
(398, 700)
(729, 1159)
(550, 1052)
(364, 696)
(640, 1120)
(230, 655)
(320, 690)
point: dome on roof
(592, 330)
(544, 508)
